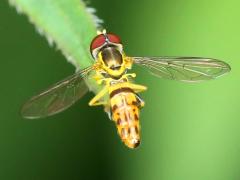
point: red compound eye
(114, 38)
(98, 41)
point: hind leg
(137, 88)
(99, 98)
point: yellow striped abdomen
(125, 112)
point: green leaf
(70, 25)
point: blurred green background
(189, 131)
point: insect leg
(141, 102)
(108, 111)
(99, 98)
(137, 88)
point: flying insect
(111, 67)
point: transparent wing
(56, 98)
(188, 69)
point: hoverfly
(123, 103)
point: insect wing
(56, 98)
(188, 69)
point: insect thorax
(112, 58)
(113, 62)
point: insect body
(119, 95)
(125, 105)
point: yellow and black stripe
(125, 113)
